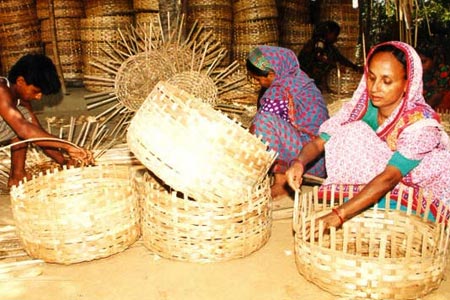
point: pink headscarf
(412, 108)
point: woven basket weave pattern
(183, 229)
(379, 254)
(77, 214)
(195, 149)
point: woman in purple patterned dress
(290, 109)
(385, 136)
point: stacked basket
(146, 11)
(254, 23)
(294, 24)
(215, 16)
(67, 40)
(218, 166)
(379, 254)
(181, 228)
(19, 31)
(98, 31)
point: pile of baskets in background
(78, 31)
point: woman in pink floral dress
(384, 136)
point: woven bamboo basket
(77, 214)
(145, 5)
(379, 254)
(18, 39)
(247, 10)
(293, 10)
(97, 8)
(344, 81)
(256, 32)
(67, 29)
(92, 51)
(104, 28)
(196, 149)
(12, 11)
(147, 18)
(70, 56)
(205, 11)
(241, 51)
(138, 75)
(181, 228)
(61, 8)
(196, 83)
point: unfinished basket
(181, 228)
(198, 84)
(138, 75)
(76, 214)
(196, 149)
(379, 254)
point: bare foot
(278, 190)
(279, 187)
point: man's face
(27, 92)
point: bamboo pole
(51, 13)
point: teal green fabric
(405, 165)
(371, 116)
(257, 58)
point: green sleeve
(324, 136)
(405, 165)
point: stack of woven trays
(215, 16)
(206, 156)
(78, 214)
(378, 254)
(254, 23)
(19, 31)
(67, 15)
(294, 24)
(99, 30)
(181, 228)
(146, 11)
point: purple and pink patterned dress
(290, 111)
(356, 152)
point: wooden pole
(51, 13)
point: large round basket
(196, 149)
(181, 228)
(76, 214)
(379, 254)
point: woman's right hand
(294, 174)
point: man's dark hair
(323, 28)
(38, 70)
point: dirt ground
(136, 273)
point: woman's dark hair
(323, 28)
(255, 70)
(37, 70)
(398, 53)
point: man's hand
(80, 156)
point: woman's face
(264, 81)
(386, 81)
